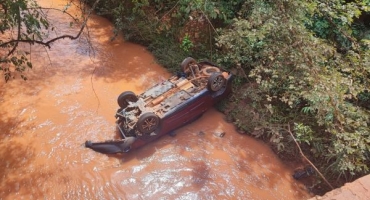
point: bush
(303, 80)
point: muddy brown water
(71, 96)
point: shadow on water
(140, 153)
(9, 126)
(17, 154)
(118, 60)
(267, 170)
(200, 173)
(18, 175)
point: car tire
(209, 70)
(125, 97)
(216, 82)
(147, 123)
(185, 65)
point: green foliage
(114, 10)
(303, 79)
(160, 48)
(20, 20)
(143, 21)
(150, 22)
(364, 99)
(336, 21)
(215, 9)
(303, 133)
(186, 44)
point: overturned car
(166, 106)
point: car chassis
(166, 106)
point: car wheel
(216, 81)
(147, 123)
(186, 63)
(125, 97)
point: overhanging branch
(48, 43)
(308, 160)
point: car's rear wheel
(187, 63)
(126, 97)
(216, 81)
(148, 122)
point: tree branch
(301, 152)
(18, 34)
(47, 43)
(63, 11)
(170, 10)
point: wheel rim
(149, 124)
(217, 83)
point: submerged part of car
(113, 146)
(166, 106)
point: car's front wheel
(216, 81)
(126, 97)
(147, 123)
